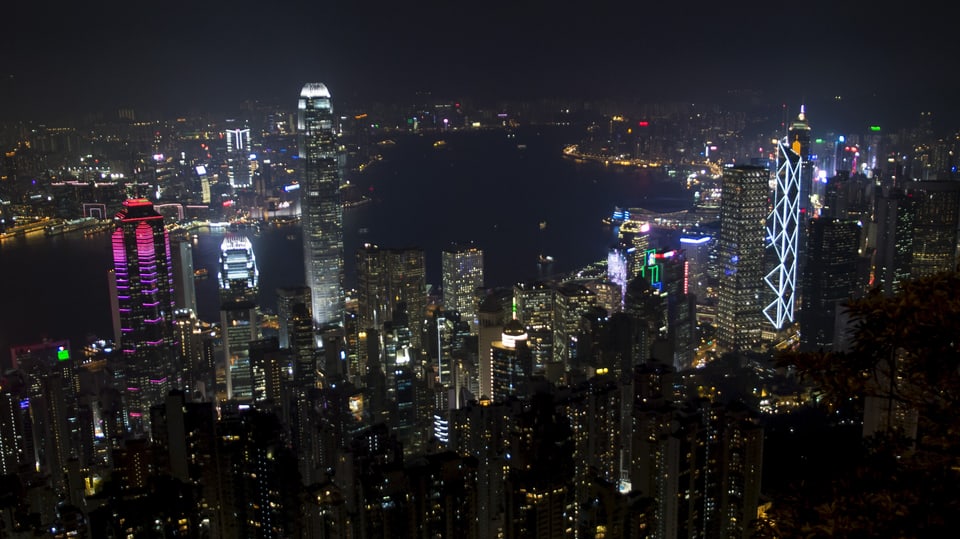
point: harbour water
(514, 195)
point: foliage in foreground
(905, 354)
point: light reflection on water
(514, 204)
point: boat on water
(355, 203)
(545, 259)
(200, 273)
(617, 217)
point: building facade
(144, 304)
(462, 266)
(238, 276)
(743, 212)
(320, 206)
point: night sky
(178, 57)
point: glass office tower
(321, 209)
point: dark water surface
(478, 186)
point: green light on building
(63, 354)
(874, 128)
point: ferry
(617, 218)
(73, 225)
(200, 273)
(25, 229)
(545, 259)
(355, 203)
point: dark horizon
(183, 58)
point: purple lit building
(143, 306)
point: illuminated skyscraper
(571, 301)
(321, 210)
(238, 276)
(511, 363)
(810, 190)
(535, 310)
(935, 227)
(462, 266)
(238, 280)
(893, 219)
(15, 425)
(238, 157)
(143, 279)
(238, 323)
(784, 233)
(743, 212)
(698, 248)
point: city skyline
(170, 60)
(534, 312)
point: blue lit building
(783, 233)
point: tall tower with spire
(798, 140)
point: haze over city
(886, 64)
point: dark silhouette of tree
(903, 369)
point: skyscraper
(535, 310)
(143, 279)
(287, 298)
(321, 209)
(184, 287)
(238, 276)
(810, 190)
(572, 300)
(894, 216)
(238, 157)
(388, 279)
(462, 266)
(784, 233)
(934, 227)
(830, 280)
(238, 323)
(743, 212)
(238, 280)
(511, 363)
